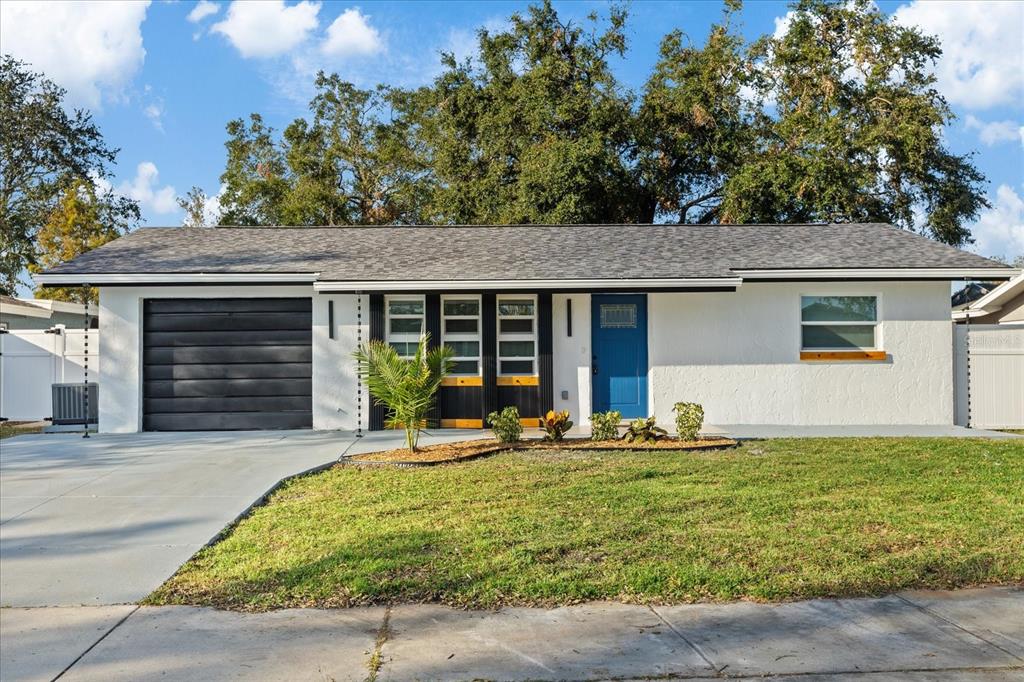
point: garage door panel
(274, 403)
(234, 388)
(227, 421)
(264, 370)
(227, 364)
(228, 305)
(276, 337)
(228, 354)
(185, 322)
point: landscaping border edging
(578, 446)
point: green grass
(10, 430)
(771, 520)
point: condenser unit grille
(69, 403)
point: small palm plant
(406, 387)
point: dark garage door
(227, 364)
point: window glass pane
(515, 349)
(406, 325)
(839, 336)
(471, 307)
(516, 326)
(515, 307)
(517, 366)
(404, 349)
(460, 326)
(465, 367)
(465, 349)
(406, 307)
(838, 308)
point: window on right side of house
(839, 323)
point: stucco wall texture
(738, 354)
(735, 353)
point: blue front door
(619, 339)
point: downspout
(359, 376)
(85, 360)
(967, 361)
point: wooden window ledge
(519, 381)
(462, 381)
(844, 355)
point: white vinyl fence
(32, 360)
(993, 398)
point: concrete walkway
(914, 636)
(851, 431)
(106, 520)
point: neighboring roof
(971, 292)
(40, 307)
(993, 301)
(13, 306)
(518, 252)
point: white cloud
(1000, 229)
(267, 28)
(92, 49)
(144, 189)
(351, 34)
(203, 9)
(996, 131)
(982, 64)
(154, 112)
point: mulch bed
(471, 449)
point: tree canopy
(45, 153)
(80, 221)
(836, 119)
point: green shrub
(555, 424)
(642, 430)
(689, 419)
(605, 425)
(506, 425)
(406, 387)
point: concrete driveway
(106, 520)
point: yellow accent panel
(462, 381)
(530, 423)
(844, 355)
(462, 423)
(519, 381)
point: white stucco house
(762, 324)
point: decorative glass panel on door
(618, 316)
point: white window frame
(877, 324)
(404, 337)
(516, 336)
(464, 336)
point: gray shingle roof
(522, 252)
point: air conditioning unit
(69, 403)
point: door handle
(593, 365)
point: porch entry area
(618, 338)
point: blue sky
(163, 78)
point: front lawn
(770, 520)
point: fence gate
(32, 360)
(993, 398)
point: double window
(517, 335)
(839, 322)
(460, 330)
(405, 323)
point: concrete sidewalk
(914, 636)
